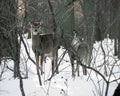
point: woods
(91, 21)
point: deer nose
(35, 30)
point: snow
(62, 84)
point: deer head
(36, 27)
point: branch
(21, 38)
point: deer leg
(72, 66)
(41, 58)
(37, 67)
(37, 59)
(78, 73)
(55, 61)
(84, 70)
(71, 55)
(53, 65)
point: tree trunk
(65, 20)
(8, 27)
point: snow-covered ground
(62, 84)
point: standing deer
(80, 53)
(43, 45)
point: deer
(43, 45)
(79, 52)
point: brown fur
(43, 44)
(82, 52)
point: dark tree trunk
(115, 25)
(119, 38)
(89, 11)
(115, 47)
(9, 46)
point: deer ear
(41, 23)
(36, 23)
